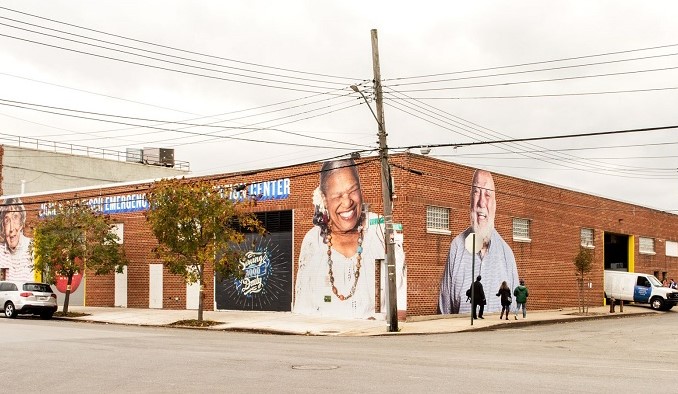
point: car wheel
(9, 310)
(657, 303)
(46, 315)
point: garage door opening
(617, 252)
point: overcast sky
(256, 84)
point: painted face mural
(16, 260)
(13, 226)
(336, 275)
(343, 200)
(494, 261)
(483, 205)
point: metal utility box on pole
(392, 306)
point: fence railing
(82, 150)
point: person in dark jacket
(478, 298)
(505, 294)
(521, 298)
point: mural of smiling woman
(336, 274)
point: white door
(192, 295)
(155, 286)
(121, 288)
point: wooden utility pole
(392, 305)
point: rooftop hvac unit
(159, 156)
(134, 155)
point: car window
(37, 287)
(4, 286)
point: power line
(535, 63)
(175, 130)
(95, 93)
(160, 67)
(176, 49)
(154, 52)
(540, 80)
(595, 166)
(153, 120)
(274, 128)
(447, 119)
(550, 137)
(536, 95)
(210, 124)
(171, 61)
(537, 70)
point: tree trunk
(581, 295)
(201, 296)
(68, 293)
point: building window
(119, 230)
(587, 237)
(646, 245)
(437, 220)
(521, 230)
(672, 248)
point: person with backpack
(521, 293)
(478, 298)
(505, 294)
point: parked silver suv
(27, 298)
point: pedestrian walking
(505, 294)
(521, 293)
(478, 299)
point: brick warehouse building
(543, 225)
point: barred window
(587, 237)
(438, 219)
(521, 229)
(646, 245)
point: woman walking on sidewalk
(521, 294)
(505, 294)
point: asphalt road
(636, 354)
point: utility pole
(392, 306)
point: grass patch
(195, 323)
(70, 314)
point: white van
(640, 288)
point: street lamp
(391, 307)
(357, 90)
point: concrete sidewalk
(294, 324)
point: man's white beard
(484, 232)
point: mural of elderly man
(16, 261)
(495, 260)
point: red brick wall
(546, 263)
(556, 218)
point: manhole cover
(315, 367)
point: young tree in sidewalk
(74, 240)
(583, 264)
(197, 224)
